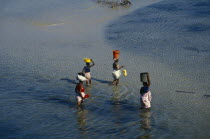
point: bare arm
(148, 80)
(92, 63)
(119, 67)
(141, 91)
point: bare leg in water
(117, 81)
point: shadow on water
(101, 81)
(195, 49)
(69, 80)
(58, 100)
(50, 96)
(207, 96)
(197, 27)
(184, 92)
(75, 81)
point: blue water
(176, 33)
(42, 46)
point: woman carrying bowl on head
(86, 70)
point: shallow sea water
(43, 44)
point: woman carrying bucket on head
(116, 68)
(86, 69)
(145, 93)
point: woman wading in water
(146, 96)
(80, 92)
(86, 71)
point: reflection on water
(82, 120)
(116, 95)
(145, 123)
(145, 119)
(144, 137)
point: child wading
(86, 71)
(145, 95)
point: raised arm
(92, 63)
(148, 80)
